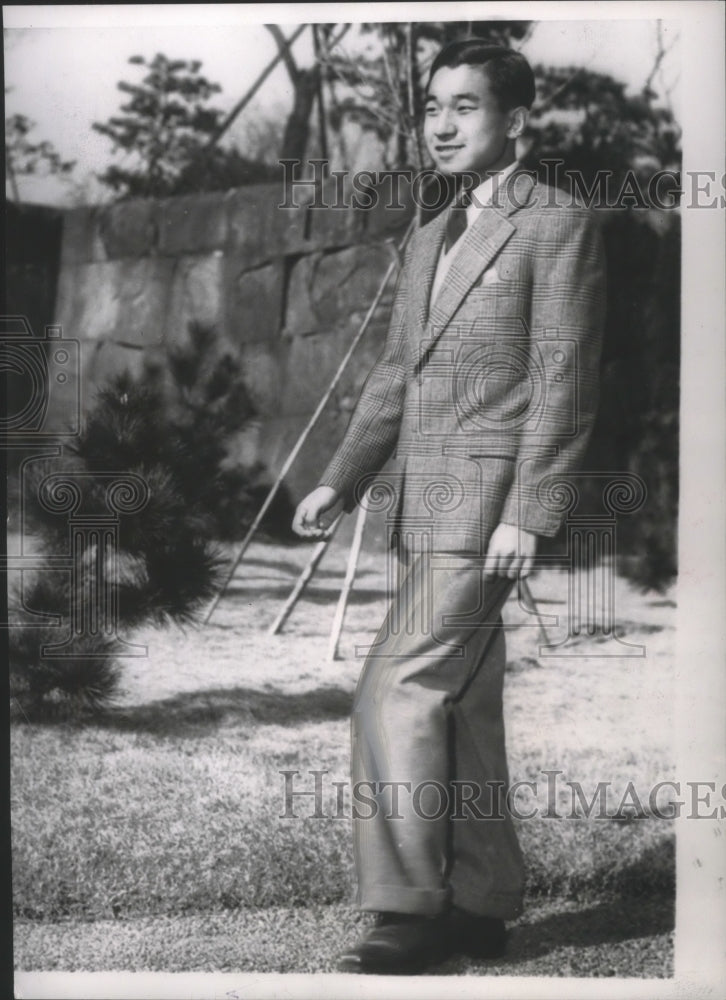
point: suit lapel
(482, 241)
(426, 250)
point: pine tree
(170, 426)
(26, 156)
(163, 128)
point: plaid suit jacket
(488, 394)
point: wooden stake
(527, 593)
(308, 427)
(347, 583)
(304, 578)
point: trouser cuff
(403, 899)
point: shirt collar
(481, 196)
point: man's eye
(464, 108)
(431, 109)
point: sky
(62, 65)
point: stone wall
(288, 287)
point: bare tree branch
(393, 89)
(244, 101)
(560, 90)
(322, 127)
(662, 51)
(284, 50)
(526, 36)
(326, 47)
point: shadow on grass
(640, 903)
(620, 919)
(637, 901)
(615, 921)
(201, 713)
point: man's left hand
(511, 552)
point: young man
(486, 389)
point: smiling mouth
(448, 149)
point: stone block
(254, 301)
(293, 226)
(263, 376)
(254, 234)
(88, 300)
(311, 362)
(317, 217)
(279, 435)
(143, 288)
(300, 316)
(263, 223)
(195, 295)
(309, 366)
(324, 289)
(337, 224)
(65, 299)
(81, 242)
(129, 228)
(348, 280)
(391, 210)
(124, 300)
(193, 224)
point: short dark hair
(510, 76)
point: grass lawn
(153, 838)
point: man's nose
(445, 124)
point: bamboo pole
(347, 583)
(305, 577)
(307, 429)
(527, 593)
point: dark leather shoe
(476, 936)
(400, 944)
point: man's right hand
(306, 522)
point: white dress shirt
(481, 198)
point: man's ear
(518, 118)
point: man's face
(464, 128)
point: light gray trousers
(428, 716)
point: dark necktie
(457, 222)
